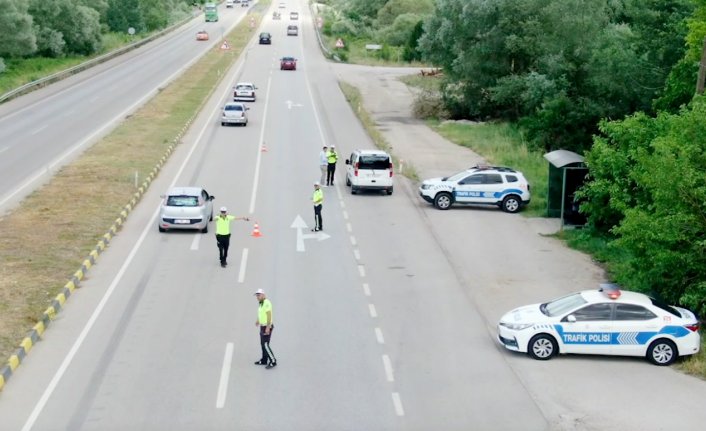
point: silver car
(234, 113)
(292, 30)
(186, 208)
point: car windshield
(264, 35)
(562, 305)
(182, 201)
(287, 59)
(457, 176)
(234, 108)
(243, 87)
(374, 161)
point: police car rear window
(666, 307)
(182, 201)
(374, 162)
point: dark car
(288, 63)
(265, 38)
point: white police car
(602, 322)
(485, 185)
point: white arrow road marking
(290, 104)
(299, 224)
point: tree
(387, 14)
(125, 14)
(399, 32)
(66, 26)
(17, 37)
(411, 53)
(154, 14)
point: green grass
(502, 144)
(429, 83)
(696, 364)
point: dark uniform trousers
(329, 173)
(223, 242)
(318, 222)
(267, 356)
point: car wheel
(222, 123)
(511, 204)
(161, 229)
(205, 229)
(389, 191)
(354, 190)
(662, 352)
(542, 347)
(443, 201)
(348, 181)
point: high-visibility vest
(223, 224)
(332, 157)
(318, 197)
(265, 306)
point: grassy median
(45, 239)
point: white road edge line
(397, 402)
(345, 215)
(361, 270)
(378, 335)
(259, 147)
(3, 149)
(243, 265)
(349, 227)
(388, 368)
(225, 374)
(373, 311)
(195, 242)
(356, 253)
(343, 204)
(35, 131)
(104, 300)
(353, 242)
(366, 289)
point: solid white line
(243, 265)
(373, 312)
(349, 227)
(106, 296)
(388, 368)
(398, 404)
(259, 152)
(195, 242)
(356, 253)
(313, 107)
(353, 242)
(361, 270)
(378, 335)
(3, 149)
(345, 215)
(343, 204)
(225, 374)
(35, 131)
(366, 289)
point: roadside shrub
(429, 104)
(343, 27)
(2, 65)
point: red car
(202, 35)
(288, 63)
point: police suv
(485, 185)
(602, 322)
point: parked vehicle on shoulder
(480, 185)
(602, 322)
(185, 208)
(234, 113)
(369, 170)
(244, 91)
(292, 30)
(288, 63)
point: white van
(369, 169)
(229, 3)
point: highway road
(44, 130)
(386, 324)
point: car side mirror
(571, 318)
(210, 198)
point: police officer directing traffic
(317, 198)
(264, 322)
(332, 158)
(223, 234)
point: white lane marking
(388, 368)
(316, 112)
(3, 149)
(261, 141)
(361, 270)
(397, 403)
(366, 289)
(349, 227)
(195, 242)
(373, 311)
(356, 253)
(378, 335)
(243, 265)
(345, 215)
(69, 113)
(343, 204)
(225, 374)
(35, 131)
(353, 242)
(106, 296)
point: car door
(477, 188)
(588, 329)
(350, 167)
(633, 326)
(208, 205)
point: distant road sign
(225, 45)
(339, 43)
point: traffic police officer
(317, 198)
(264, 322)
(223, 234)
(332, 158)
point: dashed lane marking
(388, 368)
(373, 311)
(225, 374)
(378, 335)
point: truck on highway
(211, 12)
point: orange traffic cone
(256, 230)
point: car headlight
(516, 326)
(425, 186)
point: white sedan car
(185, 208)
(602, 322)
(244, 91)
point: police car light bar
(612, 291)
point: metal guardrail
(58, 76)
(328, 53)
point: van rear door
(374, 170)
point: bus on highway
(211, 12)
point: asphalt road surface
(385, 323)
(44, 130)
